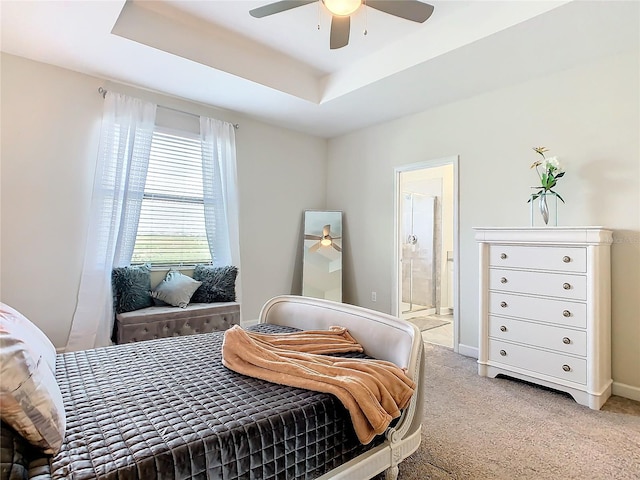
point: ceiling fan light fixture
(325, 242)
(342, 8)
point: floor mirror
(322, 258)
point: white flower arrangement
(549, 170)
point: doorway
(426, 236)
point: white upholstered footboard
(383, 337)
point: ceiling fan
(323, 241)
(413, 10)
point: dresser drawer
(560, 339)
(561, 259)
(537, 283)
(560, 312)
(539, 361)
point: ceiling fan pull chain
(364, 3)
(319, 13)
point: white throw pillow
(30, 398)
(176, 289)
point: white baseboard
(626, 391)
(249, 323)
(467, 351)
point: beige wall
(588, 116)
(50, 129)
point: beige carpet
(480, 428)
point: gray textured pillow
(29, 393)
(176, 289)
(131, 287)
(218, 284)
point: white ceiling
(280, 68)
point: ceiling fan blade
(312, 237)
(277, 7)
(409, 9)
(337, 247)
(326, 230)
(314, 247)
(340, 27)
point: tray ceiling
(280, 69)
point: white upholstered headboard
(382, 336)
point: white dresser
(545, 308)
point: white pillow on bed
(30, 398)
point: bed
(169, 409)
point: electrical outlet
(374, 296)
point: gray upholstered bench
(160, 321)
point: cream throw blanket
(373, 391)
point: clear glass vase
(544, 210)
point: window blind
(171, 229)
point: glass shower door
(418, 262)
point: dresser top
(553, 235)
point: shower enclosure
(418, 257)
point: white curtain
(220, 188)
(121, 170)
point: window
(171, 229)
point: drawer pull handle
(566, 368)
(566, 313)
(503, 328)
(503, 304)
(503, 256)
(566, 340)
(566, 259)
(503, 280)
(566, 286)
(503, 353)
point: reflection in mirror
(322, 259)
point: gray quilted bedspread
(168, 409)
